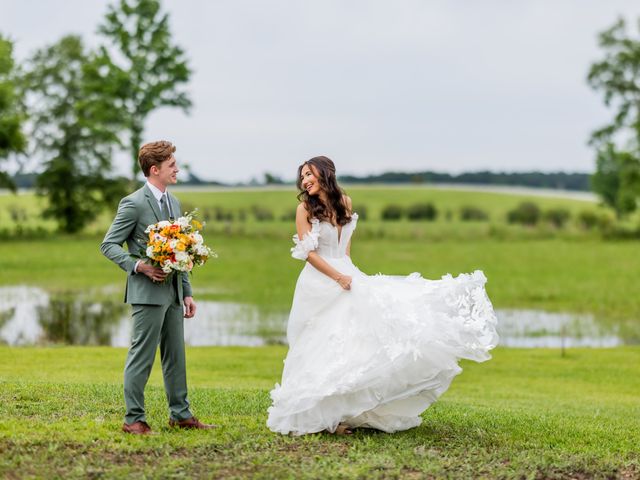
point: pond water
(32, 316)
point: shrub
(188, 207)
(422, 211)
(218, 214)
(24, 233)
(469, 213)
(588, 219)
(362, 211)
(289, 215)
(206, 214)
(222, 214)
(392, 212)
(557, 217)
(17, 213)
(527, 213)
(262, 214)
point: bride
(368, 351)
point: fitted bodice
(324, 239)
(333, 243)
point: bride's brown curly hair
(328, 182)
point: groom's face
(167, 172)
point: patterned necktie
(164, 206)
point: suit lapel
(173, 210)
(152, 203)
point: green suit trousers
(155, 325)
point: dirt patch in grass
(69, 459)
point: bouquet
(177, 245)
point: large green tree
(617, 76)
(617, 178)
(74, 133)
(149, 69)
(12, 139)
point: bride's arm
(303, 228)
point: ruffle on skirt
(377, 356)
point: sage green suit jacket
(135, 213)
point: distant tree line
(559, 180)
(555, 180)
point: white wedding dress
(379, 354)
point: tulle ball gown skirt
(378, 355)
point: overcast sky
(375, 85)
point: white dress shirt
(158, 194)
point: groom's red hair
(154, 153)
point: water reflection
(32, 316)
(77, 321)
(19, 309)
(534, 328)
(221, 323)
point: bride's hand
(344, 281)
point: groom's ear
(153, 170)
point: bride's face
(310, 182)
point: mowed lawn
(523, 414)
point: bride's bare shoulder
(302, 214)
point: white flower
(183, 221)
(150, 251)
(182, 256)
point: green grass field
(523, 414)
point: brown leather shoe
(137, 428)
(192, 422)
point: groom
(156, 301)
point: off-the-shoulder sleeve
(354, 220)
(308, 243)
